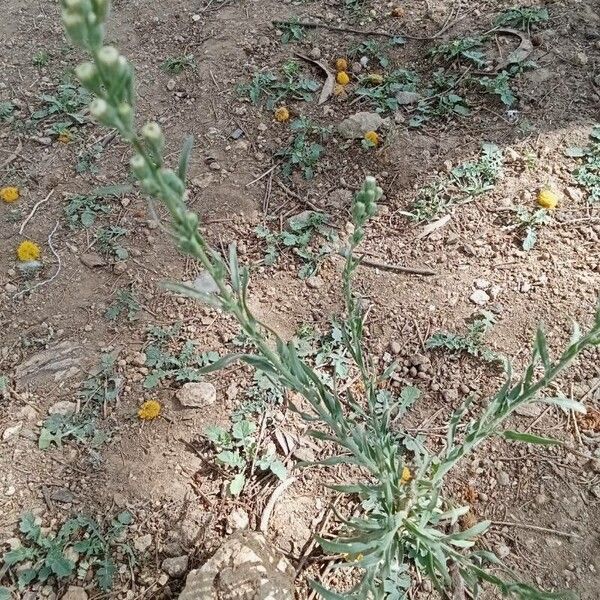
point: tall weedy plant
(406, 525)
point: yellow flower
(341, 64)
(406, 475)
(547, 199)
(27, 251)
(282, 114)
(372, 137)
(64, 137)
(149, 410)
(343, 78)
(10, 194)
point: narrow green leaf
(237, 484)
(565, 403)
(184, 158)
(541, 346)
(529, 438)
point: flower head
(149, 410)
(64, 137)
(27, 251)
(547, 199)
(372, 138)
(282, 114)
(10, 194)
(406, 475)
(341, 64)
(343, 78)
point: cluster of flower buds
(84, 21)
(364, 207)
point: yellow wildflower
(547, 199)
(406, 475)
(343, 78)
(149, 410)
(10, 194)
(64, 137)
(341, 64)
(372, 137)
(27, 251)
(282, 114)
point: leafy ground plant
(522, 17)
(292, 31)
(462, 184)
(108, 241)
(467, 48)
(64, 107)
(177, 64)
(238, 450)
(382, 90)
(375, 50)
(472, 342)
(43, 556)
(125, 304)
(529, 221)
(587, 174)
(82, 210)
(406, 527)
(499, 86)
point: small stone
(541, 499)
(314, 283)
(215, 166)
(503, 478)
(574, 194)
(203, 181)
(236, 134)
(407, 98)
(143, 542)
(75, 593)
(171, 85)
(595, 465)
(162, 580)
(356, 68)
(262, 127)
(120, 267)
(479, 297)
(197, 394)
(92, 260)
(196, 18)
(502, 551)
(10, 288)
(63, 407)
(138, 359)
(62, 495)
(581, 59)
(315, 53)
(529, 410)
(238, 519)
(395, 347)
(11, 432)
(482, 284)
(10, 490)
(355, 126)
(176, 566)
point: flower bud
(74, 6)
(75, 26)
(155, 141)
(192, 219)
(101, 9)
(125, 113)
(172, 180)
(108, 57)
(87, 73)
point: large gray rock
(358, 124)
(243, 568)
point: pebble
(62, 495)
(10, 490)
(502, 551)
(75, 592)
(11, 432)
(171, 85)
(143, 542)
(355, 126)
(479, 297)
(314, 283)
(175, 567)
(10, 288)
(395, 347)
(503, 478)
(238, 519)
(315, 53)
(92, 260)
(197, 394)
(581, 59)
(62, 407)
(120, 268)
(482, 284)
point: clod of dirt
(92, 260)
(197, 395)
(355, 126)
(243, 568)
(63, 407)
(175, 567)
(406, 98)
(75, 593)
(58, 362)
(479, 297)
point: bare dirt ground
(161, 471)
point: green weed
(125, 304)
(40, 59)
(499, 86)
(292, 85)
(383, 95)
(67, 103)
(292, 31)
(522, 17)
(587, 175)
(467, 48)
(530, 221)
(6, 110)
(176, 64)
(87, 159)
(83, 210)
(375, 50)
(108, 241)
(43, 556)
(238, 451)
(472, 342)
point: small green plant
(300, 235)
(83, 210)
(43, 556)
(304, 152)
(167, 359)
(292, 85)
(406, 526)
(103, 385)
(87, 159)
(499, 86)
(40, 59)
(177, 64)
(238, 450)
(530, 221)
(108, 241)
(382, 91)
(467, 48)
(292, 31)
(375, 50)
(6, 110)
(587, 174)
(472, 342)
(125, 304)
(465, 182)
(522, 17)
(81, 428)
(67, 102)
(262, 396)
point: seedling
(176, 64)
(304, 152)
(81, 428)
(43, 556)
(292, 31)
(472, 342)
(530, 222)
(40, 58)
(68, 102)
(82, 210)
(262, 396)
(522, 17)
(467, 48)
(499, 86)
(182, 365)
(465, 182)
(108, 241)
(125, 304)
(292, 85)
(587, 174)
(237, 450)
(375, 50)
(381, 90)
(87, 159)
(102, 387)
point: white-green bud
(103, 112)
(108, 57)
(87, 73)
(101, 8)
(125, 113)
(75, 26)
(139, 166)
(172, 180)
(152, 133)
(75, 6)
